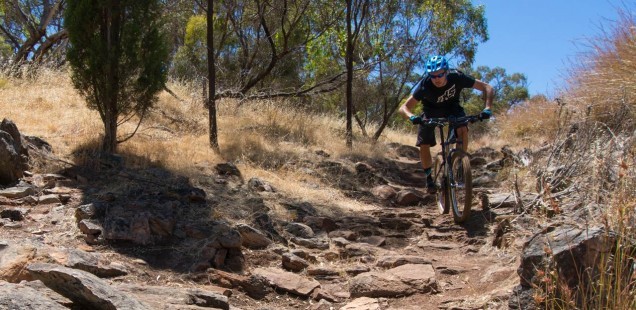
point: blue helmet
(435, 63)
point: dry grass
(264, 139)
(48, 107)
(603, 83)
(531, 124)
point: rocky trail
(111, 237)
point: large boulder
(571, 251)
(13, 153)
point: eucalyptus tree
(31, 28)
(118, 58)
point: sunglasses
(437, 76)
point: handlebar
(453, 121)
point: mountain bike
(452, 168)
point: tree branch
(272, 45)
(332, 83)
(141, 118)
(51, 12)
(50, 41)
(200, 4)
(13, 39)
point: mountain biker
(439, 93)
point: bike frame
(447, 151)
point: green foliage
(5, 50)
(323, 53)
(457, 25)
(177, 13)
(118, 57)
(510, 89)
(282, 46)
(190, 61)
(196, 31)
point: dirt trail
(472, 273)
(469, 273)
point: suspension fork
(445, 152)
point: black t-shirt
(443, 100)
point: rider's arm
(486, 89)
(407, 107)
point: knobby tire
(461, 186)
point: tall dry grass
(589, 164)
(602, 84)
(530, 124)
(47, 106)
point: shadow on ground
(172, 222)
(147, 211)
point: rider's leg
(425, 156)
(426, 139)
(462, 133)
(427, 164)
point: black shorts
(426, 135)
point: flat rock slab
(160, 297)
(17, 192)
(400, 281)
(43, 290)
(391, 261)
(288, 281)
(83, 288)
(426, 244)
(89, 262)
(363, 303)
(17, 296)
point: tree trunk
(109, 144)
(349, 87)
(214, 141)
(111, 108)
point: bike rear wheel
(442, 193)
(461, 186)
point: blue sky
(540, 38)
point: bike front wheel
(461, 186)
(442, 192)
